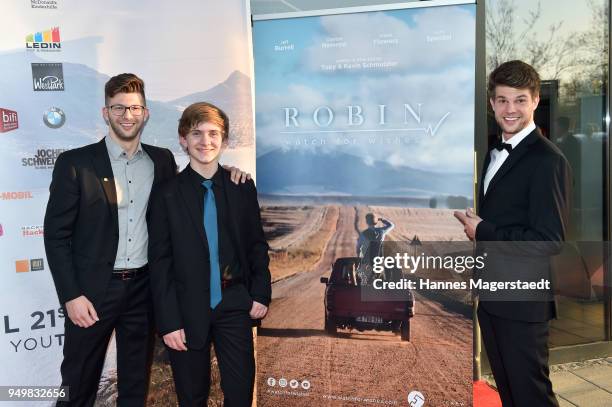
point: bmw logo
(54, 117)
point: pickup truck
(344, 307)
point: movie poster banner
(365, 134)
(56, 56)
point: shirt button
(131, 201)
(130, 182)
(129, 240)
(130, 219)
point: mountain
(298, 172)
(234, 97)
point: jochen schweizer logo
(48, 40)
(54, 117)
(43, 159)
(8, 120)
(47, 77)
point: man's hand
(237, 175)
(176, 340)
(81, 312)
(470, 221)
(258, 311)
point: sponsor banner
(54, 71)
(362, 137)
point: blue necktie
(210, 227)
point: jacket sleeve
(163, 289)
(257, 251)
(60, 218)
(548, 212)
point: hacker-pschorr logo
(43, 159)
(47, 77)
(32, 231)
(48, 4)
(54, 117)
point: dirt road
(358, 368)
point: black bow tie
(501, 146)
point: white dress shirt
(498, 157)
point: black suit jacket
(81, 226)
(526, 201)
(179, 259)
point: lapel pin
(105, 179)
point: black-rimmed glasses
(119, 110)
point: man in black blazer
(209, 265)
(524, 197)
(96, 244)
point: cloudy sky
(421, 57)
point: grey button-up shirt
(133, 182)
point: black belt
(128, 274)
(229, 283)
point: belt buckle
(125, 275)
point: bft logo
(416, 399)
(8, 120)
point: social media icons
(291, 383)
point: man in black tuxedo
(523, 197)
(209, 265)
(96, 244)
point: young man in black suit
(209, 265)
(524, 197)
(96, 244)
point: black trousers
(126, 309)
(518, 354)
(231, 332)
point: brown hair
(124, 83)
(515, 74)
(203, 112)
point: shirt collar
(115, 151)
(518, 137)
(198, 179)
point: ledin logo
(54, 117)
(47, 77)
(32, 231)
(48, 4)
(8, 120)
(48, 40)
(43, 159)
(12, 196)
(23, 266)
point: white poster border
(361, 9)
